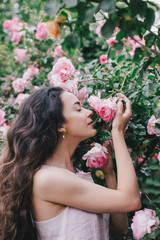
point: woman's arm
(118, 221)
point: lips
(90, 123)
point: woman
(38, 178)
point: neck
(62, 156)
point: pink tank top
(75, 224)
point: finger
(127, 101)
(119, 107)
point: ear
(61, 130)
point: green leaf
(105, 135)
(118, 46)
(52, 8)
(90, 13)
(157, 128)
(70, 3)
(108, 29)
(119, 35)
(149, 18)
(157, 113)
(120, 58)
(108, 6)
(139, 109)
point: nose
(90, 113)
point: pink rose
(58, 52)
(19, 85)
(143, 222)
(140, 159)
(103, 59)
(30, 72)
(158, 156)
(151, 125)
(98, 29)
(96, 157)
(63, 75)
(20, 98)
(20, 55)
(2, 114)
(3, 130)
(41, 31)
(106, 108)
(82, 95)
(63, 69)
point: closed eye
(79, 110)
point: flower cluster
(105, 108)
(14, 29)
(144, 221)
(21, 83)
(151, 125)
(134, 43)
(96, 157)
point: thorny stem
(151, 201)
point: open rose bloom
(143, 222)
(105, 108)
(96, 157)
(63, 75)
(151, 125)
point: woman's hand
(123, 115)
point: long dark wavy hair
(31, 139)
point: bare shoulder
(46, 178)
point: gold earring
(63, 132)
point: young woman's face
(78, 119)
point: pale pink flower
(111, 41)
(19, 85)
(98, 29)
(20, 55)
(63, 75)
(63, 69)
(58, 52)
(30, 72)
(103, 59)
(41, 31)
(20, 98)
(82, 95)
(96, 157)
(143, 222)
(2, 115)
(158, 156)
(151, 125)
(3, 130)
